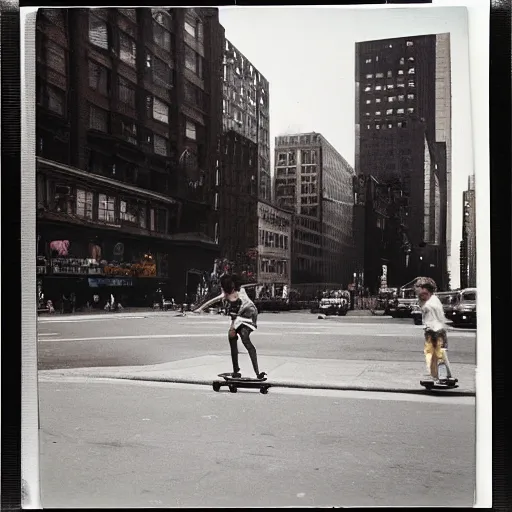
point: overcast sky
(308, 56)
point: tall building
(129, 119)
(403, 141)
(246, 109)
(468, 243)
(314, 182)
(274, 250)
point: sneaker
(261, 375)
(235, 375)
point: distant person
(244, 316)
(436, 341)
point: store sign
(97, 282)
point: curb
(284, 384)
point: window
(410, 43)
(389, 112)
(390, 74)
(53, 99)
(367, 88)
(400, 71)
(411, 71)
(106, 208)
(142, 216)
(193, 94)
(160, 145)
(98, 78)
(400, 84)
(368, 102)
(378, 113)
(391, 99)
(163, 18)
(129, 131)
(410, 96)
(379, 75)
(127, 49)
(402, 124)
(84, 203)
(126, 92)
(98, 119)
(367, 114)
(161, 37)
(98, 32)
(216, 201)
(402, 61)
(378, 88)
(193, 61)
(401, 97)
(160, 222)
(161, 72)
(410, 110)
(390, 86)
(377, 100)
(194, 28)
(190, 130)
(158, 110)
(411, 84)
(55, 57)
(368, 126)
(369, 75)
(368, 61)
(400, 111)
(390, 125)
(128, 212)
(377, 126)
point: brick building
(128, 129)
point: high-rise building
(468, 243)
(246, 109)
(129, 117)
(243, 174)
(403, 141)
(314, 182)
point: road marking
(48, 334)
(80, 320)
(222, 335)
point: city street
(153, 338)
(132, 444)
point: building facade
(468, 243)
(403, 142)
(274, 249)
(129, 119)
(314, 181)
(237, 201)
(246, 110)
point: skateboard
(233, 383)
(429, 384)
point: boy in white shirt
(436, 341)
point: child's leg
(430, 359)
(443, 349)
(233, 344)
(245, 333)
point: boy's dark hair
(230, 283)
(427, 283)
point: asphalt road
(124, 341)
(124, 444)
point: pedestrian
(244, 316)
(436, 340)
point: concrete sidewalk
(383, 376)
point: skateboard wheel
(233, 389)
(216, 386)
(264, 391)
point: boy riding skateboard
(436, 341)
(244, 316)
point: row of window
(99, 119)
(110, 210)
(290, 158)
(378, 125)
(391, 99)
(389, 74)
(391, 111)
(411, 84)
(100, 36)
(273, 240)
(268, 266)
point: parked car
(338, 304)
(449, 301)
(416, 314)
(464, 311)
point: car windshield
(469, 296)
(447, 299)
